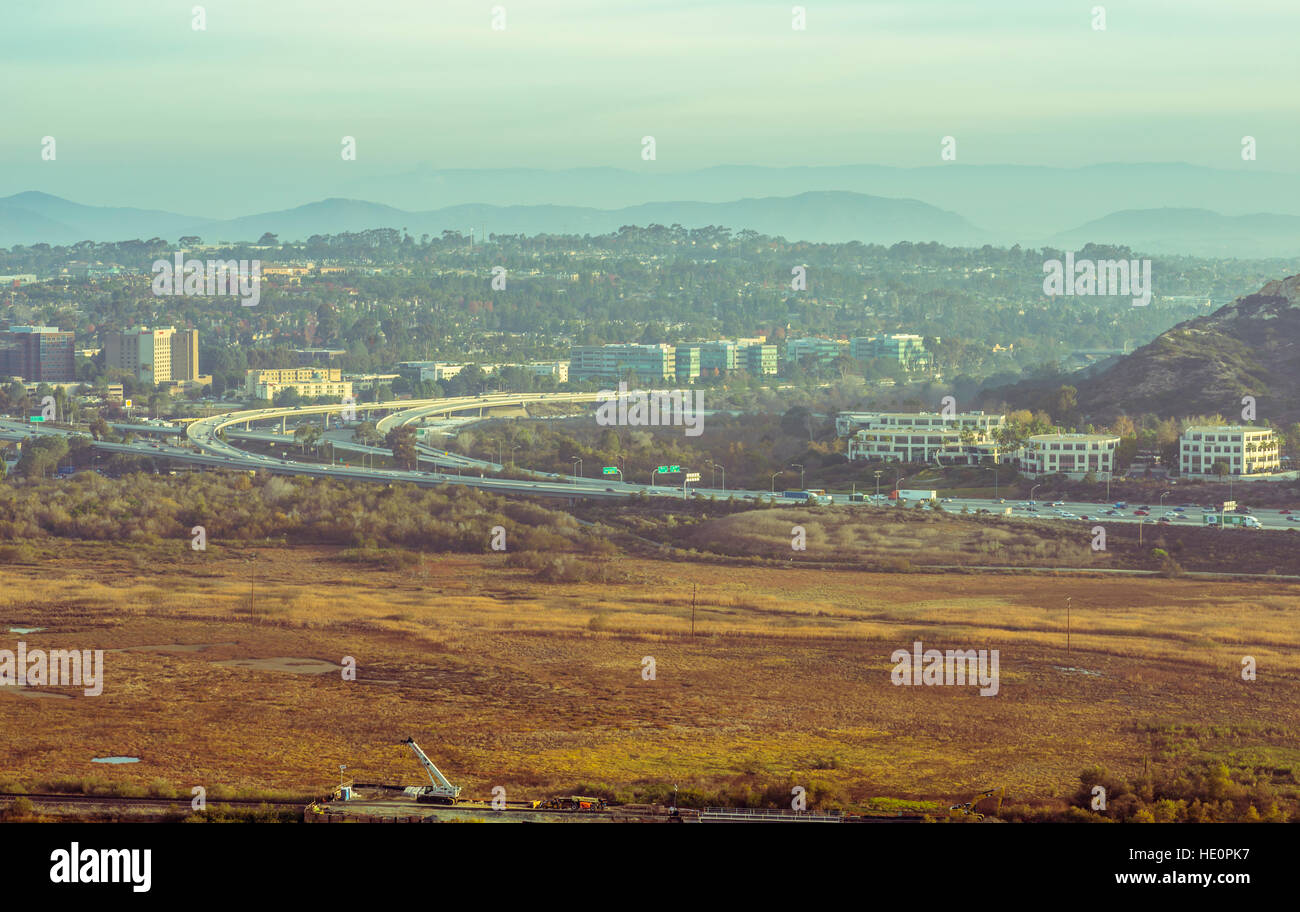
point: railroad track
(168, 803)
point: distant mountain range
(1204, 366)
(956, 209)
(1195, 232)
(28, 218)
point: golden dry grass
(538, 687)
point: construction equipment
(441, 791)
(570, 803)
(968, 808)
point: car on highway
(1284, 512)
(1293, 519)
(1141, 512)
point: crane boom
(441, 786)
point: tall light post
(877, 473)
(802, 486)
(576, 461)
(512, 454)
(1032, 490)
(1162, 499)
(774, 474)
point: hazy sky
(147, 111)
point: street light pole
(774, 474)
(802, 485)
(1032, 490)
(877, 473)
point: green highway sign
(36, 418)
(609, 470)
(668, 470)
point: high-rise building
(185, 354)
(37, 354)
(154, 355)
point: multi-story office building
(185, 355)
(905, 349)
(757, 358)
(964, 438)
(650, 363)
(1072, 455)
(1242, 450)
(984, 424)
(41, 354)
(719, 356)
(309, 382)
(823, 351)
(688, 362)
(154, 355)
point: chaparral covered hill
(1251, 347)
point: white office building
(1243, 451)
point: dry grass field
(536, 686)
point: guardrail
(767, 815)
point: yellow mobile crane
(968, 808)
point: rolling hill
(1250, 347)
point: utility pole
(694, 587)
(1068, 599)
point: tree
(798, 421)
(401, 440)
(42, 455)
(306, 435)
(367, 434)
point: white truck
(904, 494)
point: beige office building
(154, 355)
(1244, 451)
(310, 382)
